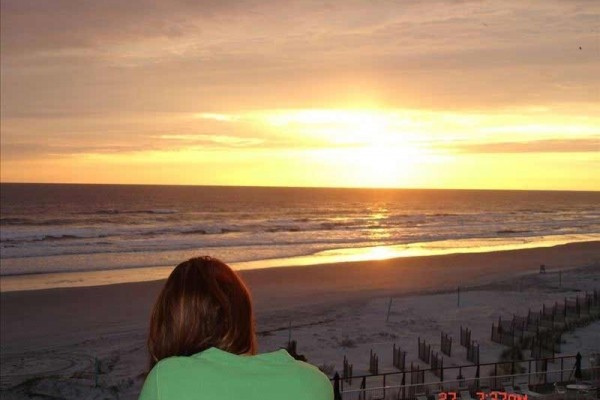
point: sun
(368, 148)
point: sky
(408, 94)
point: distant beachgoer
(202, 344)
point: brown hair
(203, 304)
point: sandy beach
(54, 340)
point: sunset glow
(469, 95)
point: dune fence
(541, 332)
(536, 374)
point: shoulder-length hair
(203, 304)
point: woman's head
(203, 304)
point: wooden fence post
(96, 371)
(336, 387)
(560, 279)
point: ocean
(58, 228)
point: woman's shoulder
(309, 376)
(309, 369)
(174, 363)
(170, 366)
(281, 359)
(162, 372)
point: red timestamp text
(493, 395)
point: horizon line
(299, 187)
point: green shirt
(218, 375)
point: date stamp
(493, 395)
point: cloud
(85, 56)
(584, 145)
(22, 151)
(30, 26)
(117, 76)
(220, 141)
(218, 117)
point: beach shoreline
(290, 287)
(38, 281)
(330, 304)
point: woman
(202, 344)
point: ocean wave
(117, 212)
(160, 244)
(61, 237)
(202, 230)
(36, 222)
(50, 238)
(209, 231)
(284, 229)
(194, 232)
(229, 230)
(511, 231)
(332, 225)
(55, 221)
(14, 221)
(360, 227)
